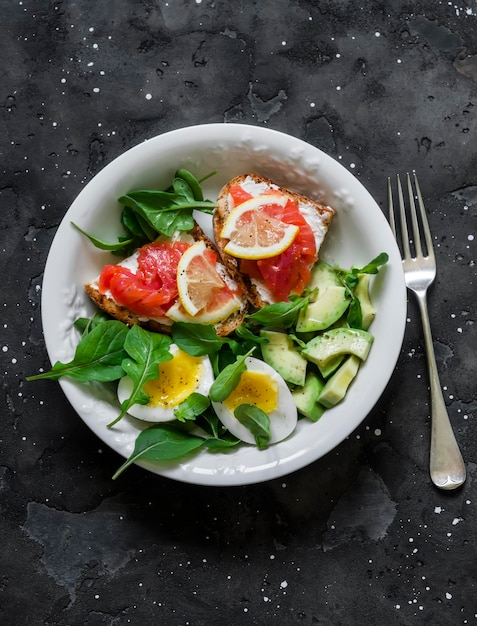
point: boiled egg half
(263, 387)
(177, 379)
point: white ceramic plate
(358, 233)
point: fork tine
(402, 211)
(392, 221)
(424, 220)
(415, 226)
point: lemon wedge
(203, 295)
(253, 234)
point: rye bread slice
(256, 291)
(122, 313)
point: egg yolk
(254, 388)
(178, 378)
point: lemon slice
(221, 311)
(253, 234)
(202, 292)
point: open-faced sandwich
(267, 240)
(172, 279)
(268, 237)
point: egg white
(283, 419)
(150, 413)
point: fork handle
(447, 467)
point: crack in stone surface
(72, 541)
(364, 513)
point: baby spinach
(198, 339)
(191, 407)
(349, 278)
(221, 444)
(98, 356)
(228, 379)
(281, 314)
(257, 422)
(161, 442)
(171, 210)
(149, 213)
(145, 351)
(86, 324)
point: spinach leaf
(161, 442)
(349, 278)
(228, 379)
(281, 314)
(192, 407)
(219, 444)
(210, 423)
(149, 213)
(98, 356)
(373, 266)
(354, 316)
(193, 183)
(168, 211)
(146, 351)
(247, 337)
(257, 421)
(104, 245)
(198, 339)
(86, 324)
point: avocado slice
(306, 397)
(368, 312)
(336, 387)
(327, 309)
(325, 347)
(281, 353)
(322, 276)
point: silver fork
(447, 467)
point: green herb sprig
(148, 214)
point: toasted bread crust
(253, 289)
(123, 314)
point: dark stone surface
(358, 537)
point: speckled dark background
(358, 537)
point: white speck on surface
(438, 509)
(148, 96)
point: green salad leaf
(228, 378)
(198, 339)
(192, 407)
(148, 213)
(161, 442)
(98, 356)
(349, 278)
(257, 422)
(145, 351)
(281, 314)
